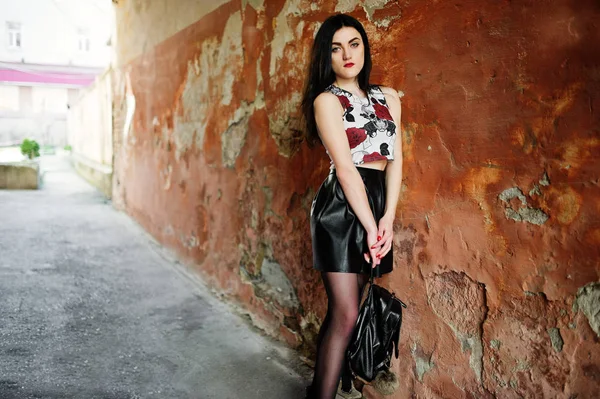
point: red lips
(348, 65)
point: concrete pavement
(91, 307)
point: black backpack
(376, 334)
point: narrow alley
(170, 249)
(93, 308)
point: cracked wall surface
(497, 232)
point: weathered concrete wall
(90, 124)
(99, 175)
(497, 233)
(34, 112)
(20, 175)
(49, 129)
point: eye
(355, 44)
(333, 50)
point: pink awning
(10, 75)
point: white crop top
(370, 128)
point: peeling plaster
(588, 301)
(230, 55)
(281, 287)
(370, 7)
(166, 174)
(189, 129)
(130, 107)
(269, 280)
(158, 20)
(524, 213)
(535, 191)
(233, 139)
(345, 6)
(422, 364)
(216, 59)
(258, 5)
(282, 32)
(280, 124)
(259, 101)
(530, 215)
(513, 192)
(473, 344)
(461, 304)
(556, 339)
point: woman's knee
(345, 320)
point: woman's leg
(346, 373)
(336, 331)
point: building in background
(49, 51)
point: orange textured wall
(497, 233)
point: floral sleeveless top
(370, 128)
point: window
(14, 35)
(83, 41)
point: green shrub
(30, 148)
(68, 147)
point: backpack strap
(395, 338)
(396, 341)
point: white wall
(50, 31)
(37, 112)
(49, 99)
(9, 98)
(49, 129)
(90, 123)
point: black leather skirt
(338, 238)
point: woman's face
(347, 53)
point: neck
(347, 84)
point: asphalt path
(92, 307)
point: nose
(346, 55)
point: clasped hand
(380, 240)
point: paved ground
(90, 307)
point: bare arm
(393, 177)
(328, 115)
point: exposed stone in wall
(268, 279)
(233, 140)
(217, 59)
(588, 301)
(496, 236)
(531, 348)
(290, 43)
(423, 362)
(523, 213)
(381, 12)
(461, 304)
(556, 339)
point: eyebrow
(349, 41)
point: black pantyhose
(343, 294)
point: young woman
(353, 212)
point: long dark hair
(320, 72)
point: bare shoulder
(391, 95)
(326, 100)
(393, 100)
